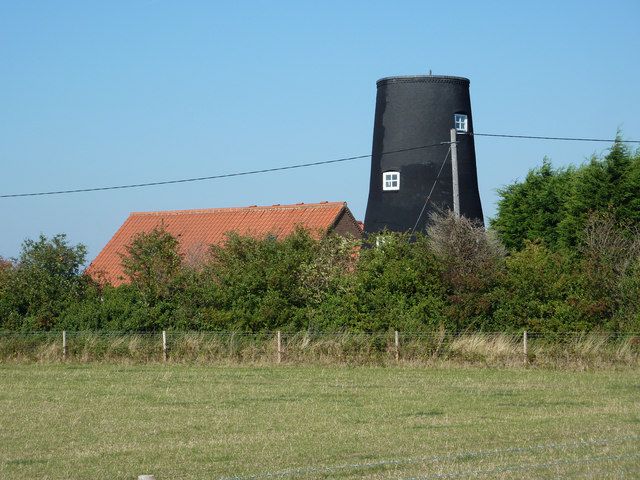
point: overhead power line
(213, 177)
(570, 139)
(432, 188)
(296, 166)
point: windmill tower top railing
(424, 78)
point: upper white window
(460, 122)
(391, 181)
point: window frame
(388, 178)
(464, 122)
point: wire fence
(486, 348)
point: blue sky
(102, 93)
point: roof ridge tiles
(195, 211)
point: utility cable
(300, 165)
(570, 139)
(431, 191)
(213, 177)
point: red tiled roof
(196, 230)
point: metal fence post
(524, 347)
(64, 344)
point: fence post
(279, 345)
(164, 345)
(397, 343)
(64, 344)
(524, 347)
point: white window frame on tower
(390, 181)
(461, 122)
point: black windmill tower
(414, 112)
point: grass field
(101, 421)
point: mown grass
(110, 421)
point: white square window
(460, 122)
(391, 181)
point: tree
(608, 184)
(553, 205)
(533, 209)
(153, 263)
(397, 285)
(5, 270)
(327, 275)
(540, 292)
(472, 262)
(611, 268)
(257, 281)
(46, 279)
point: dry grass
(488, 349)
(578, 351)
